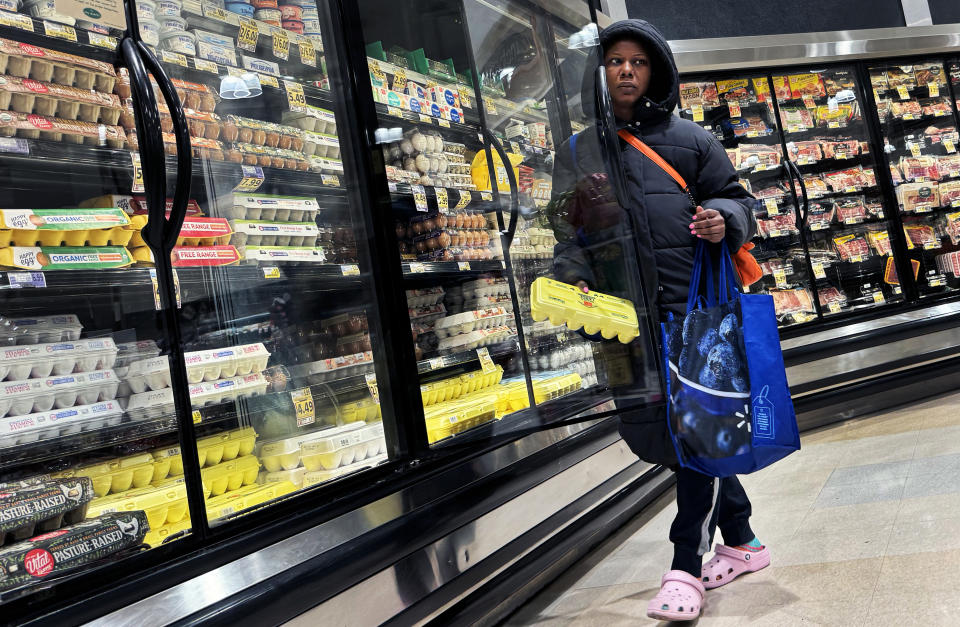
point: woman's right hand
(583, 286)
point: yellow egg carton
(157, 535)
(47, 258)
(246, 497)
(229, 476)
(68, 227)
(447, 419)
(594, 312)
(169, 481)
(453, 388)
(122, 474)
(226, 446)
(162, 505)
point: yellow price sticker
(419, 197)
(376, 71)
(488, 196)
(137, 187)
(295, 98)
(234, 71)
(435, 363)
(491, 107)
(818, 271)
(267, 79)
(371, 379)
(251, 180)
(443, 202)
(465, 99)
(903, 93)
(206, 66)
(809, 103)
(464, 198)
(752, 134)
(214, 12)
(60, 31)
(425, 118)
(948, 145)
(308, 54)
(833, 124)
(463, 266)
(878, 298)
(102, 41)
(486, 362)
(780, 276)
(197, 417)
(248, 35)
(173, 57)
(395, 111)
(303, 406)
(934, 89)
(417, 268)
(281, 44)
(734, 108)
(400, 80)
(697, 112)
(914, 148)
(834, 307)
(443, 123)
(271, 272)
(16, 20)
(330, 179)
(772, 207)
(351, 269)
(515, 147)
(931, 245)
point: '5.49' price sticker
(295, 98)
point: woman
(643, 83)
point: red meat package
(874, 207)
(806, 152)
(752, 155)
(952, 227)
(831, 295)
(796, 119)
(733, 154)
(905, 109)
(918, 197)
(880, 241)
(949, 263)
(921, 236)
(806, 85)
(936, 107)
(851, 247)
(948, 166)
(702, 94)
(820, 214)
(937, 135)
(770, 266)
(780, 86)
(895, 174)
(735, 90)
(949, 194)
(774, 191)
(851, 210)
(837, 81)
(777, 226)
(901, 75)
(929, 73)
(840, 148)
(849, 179)
(919, 168)
(815, 185)
(791, 301)
(890, 271)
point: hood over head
(664, 91)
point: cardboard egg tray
(32, 126)
(453, 388)
(447, 419)
(334, 368)
(52, 66)
(37, 361)
(15, 430)
(321, 145)
(475, 339)
(324, 450)
(245, 498)
(46, 329)
(231, 475)
(25, 95)
(67, 227)
(49, 258)
(223, 363)
(29, 508)
(314, 119)
(470, 321)
(281, 233)
(594, 312)
(424, 297)
(162, 505)
(121, 474)
(240, 206)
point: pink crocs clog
(730, 563)
(680, 598)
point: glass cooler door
(278, 316)
(85, 478)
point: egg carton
(322, 476)
(326, 449)
(148, 405)
(23, 60)
(486, 287)
(158, 535)
(334, 368)
(19, 398)
(246, 497)
(121, 474)
(198, 231)
(595, 312)
(37, 361)
(294, 476)
(224, 363)
(321, 145)
(238, 206)
(231, 475)
(25, 95)
(453, 388)
(484, 302)
(470, 321)
(32, 126)
(29, 508)
(263, 233)
(282, 254)
(116, 236)
(129, 352)
(16, 430)
(314, 119)
(226, 446)
(173, 454)
(162, 505)
(46, 329)
(428, 314)
(148, 374)
(225, 390)
(424, 297)
(475, 339)
(448, 419)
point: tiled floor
(863, 526)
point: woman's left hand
(709, 225)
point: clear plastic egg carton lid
(19, 398)
(485, 302)
(470, 321)
(148, 405)
(485, 287)
(334, 451)
(294, 476)
(322, 476)
(334, 368)
(46, 329)
(146, 374)
(424, 297)
(129, 352)
(36, 361)
(475, 339)
(16, 430)
(224, 363)
(224, 390)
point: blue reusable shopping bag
(728, 404)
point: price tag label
(16, 20)
(914, 148)
(419, 197)
(809, 103)
(752, 134)
(955, 203)
(761, 167)
(833, 124)
(252, 179)
(931, 245)
(371, 379)
(515, 147)
(464, 198)
(903, 93)
(331, 180)
(435, 363)
(38, 279)
(850, 190)
(948, 145)
(818, 271)
(491, 107)
(486, 362)
(488, 196)
(60, 31)
(734, 108)
(443, 202)
(934, 88)
(400, 80)
(443, 123)
(463, 266)
(697, 112)
(137, 187)
(377, 71)
(909, 116)
(833, 307)
(248, 35)
(780, 276)
(772, 207)
(234, 71)
(206, 66)
(102, 41)
(267, 79)
(214, 12)
(425, 118)
(351, 269)
(156, 289)
(395, 111)
(303, 406)
(878, 298)
(173, 57)
(308, 54)
(935, 282)
(897, 290)
(281, 44)
(197, 417)
(295, 98)
(271, 272)
(465, 99)
(417, 268)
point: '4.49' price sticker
(818, 270)
(248, 35)
(948, 145)
(697, 112)
(295, 98)
(772, 207)
(934, 89)
(281, 44)
(303, 406)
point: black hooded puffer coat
(660, 211)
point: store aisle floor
(863, 526)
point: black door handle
(511, 179)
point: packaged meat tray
(37, 361)
(282, 254)
(162, 505)
(778, 226)
(837, 81)
(921, 236)
(951, 226)
(17, 430)
(25, 95)
(224, 390)
(147, 374)
(918, 197)
(53, 553)
(262, 233)
(949, 263)
(334, 368)
(129, 352)
(840, 149)
(880, 241)
(246, 497)
(747, 126)
(223, 363)
(41, 506)
(926, 74)
(906, 109)
(949, 166)
(231, 475)
(936, 107)
(322, 476)
(831, 299)
(469, 321)
(120, 474)
(702, 94)
(46, 329)
(735, 90)
(754, 155)
(914, 168)
(851, 247)
(851, 210)
(901, 76)
(52, 66)
(837, 116)
(65, 257)
(33, 126)
(815, 185)
(806, 152)
(266, 207)
(820, 215)
(792, 301)
(796, 119)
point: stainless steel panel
(700, 55)
(195, 594)
(916, 12)
(391, 591)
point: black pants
(703, 504)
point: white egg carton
(334, 368)
(224, 390)
(485, 287)
(129, 352)
(51, 424)
(19, 398)
(484, 302)
(64, 328)
(148, 405)
(474, 339)
(239, 206)
(426, 315)
(263, 233)
(322, 476)
(313, 119)
(323, 450)
(147, 374)
(37, 361)
(425, 297)
(225, 363)
(470, 321)
(326, 165)
(294, 476)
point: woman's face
(628, 73)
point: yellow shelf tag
(173, 57)
(419, 197)
(772, 207)
(464, 198)
(303, 406)
(295, 98)
(60, 31)
(350, 270)
(443, 202)
(697, 113)
(271, 272)
(308, 54)
(281, 44)
(137, 187)
(486, 362)
(248, 35)
(903, 93)
(934, 88)
(371, 379)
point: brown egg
(401, 230)
(192, 101)
(277, 162)
(229, 131)
(429, 224)
(234, 156)
(212, 130)
(290, 164)
(259, 137)
(478, 221)
(296, 144)
(355, 323)
(207, 102)
(303, 166)
(365, 344)
(272, 139)
(403, 247)
(455, 238)
(447, 255)
(245, 135)
(250, 159)
(421, 246)
(416, 227)
(265, 160)
(127, 120)
(284, 142)
(442, 221)
(443, 239)
(460, 220)
(166, 124)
